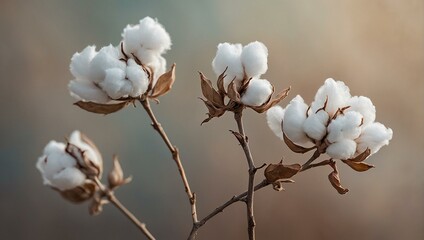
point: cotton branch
(175, 155)
(110, 195)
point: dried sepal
(233, 94)
(101, 108)
(276, 172)
(220, 83)
(278, 185)
(164, 83)
(96, 206)
(272, 101)
(213, 111)
(86, 166)
(294, 147)
(335, 180)
(361, 157)
(238, 135)
(116, 175)
(210, 93)
(358, 166)
(93, 146)
(81, 193)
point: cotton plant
(134, 70)
(335, 123)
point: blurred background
(375, 47)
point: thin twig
(252, 171)
(114, 200)
(234, 199)
(175, 155)
(313, 158)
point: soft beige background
(376, 47)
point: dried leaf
(275, 172)
(209, 92)
(96, 206)
(294, 147)
(233, 93)
(96, 150)
(101, 108)
(361, 157)
(213, 111)
(278, 186)
(220, 83)
(335, 180)
(272, 102)
(80, 193)
(164, 83)
(358, 166)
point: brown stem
(175, 155)
(112, 198)
(309, 162)
(252, 171)
(234, 199)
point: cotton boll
(68, 178)
(343, 149)
(315, 126)
(115, 84)
(87, 91)
(147, 56)
(345, 126)
(254, 58)
(108, 57)
(337, 93)
(274, 118)
(154, 36)
(374, 136)
(89, 152)
(228, 55)
(80, 62)
(138, 78)
(257, 93)
(131, 39)
(364, 106)
(159, 68)
(294, 117)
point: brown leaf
(220, 83)
(164, 83)
(213, 111)
(81, 193)
(335, 180)
(358, 166)
(275, 172)
(101, 108)
(88, 141)
(209, 92)
(294, 147)
(233, 93)
(272, 102)
(361, 157)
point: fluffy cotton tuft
(315, 126)
(149, 34)
(80, 62)
(228, 55)
(274, 118)
(343, 149)
(345, 126)
(58, 168)
(337, 94)
(257, 93)
(107, 58)
(364, 106)
(87, 91)
(374, 136)
(138, 78)
(254, 58)
(89, 151)
(294, 117)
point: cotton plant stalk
(335, 124)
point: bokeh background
(376, 47)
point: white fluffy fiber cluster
(250, 61)
(347, 135)
(104, 76)
(59, 169)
